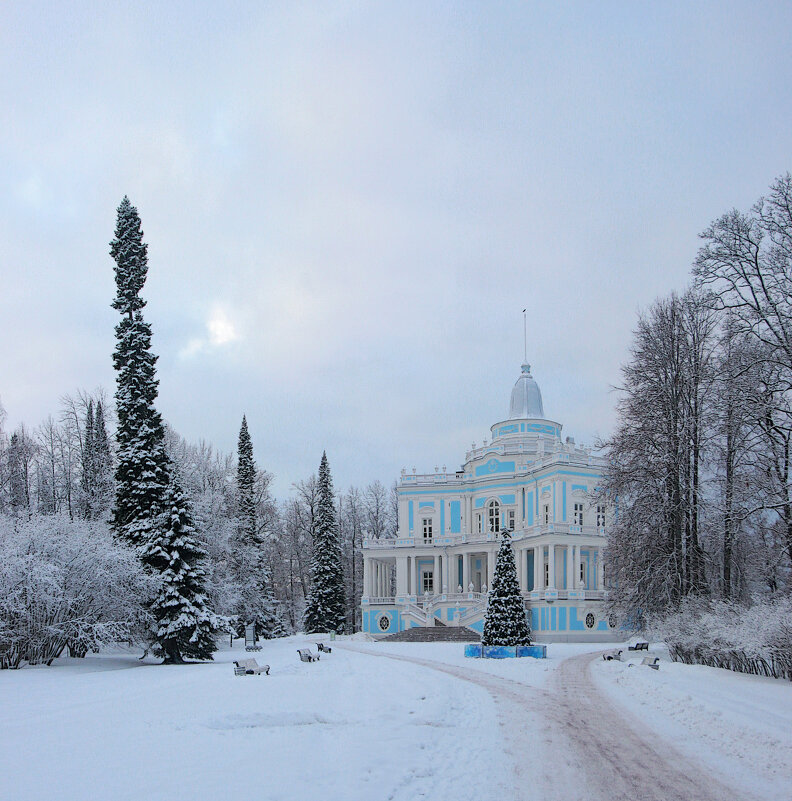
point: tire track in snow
(568, 742)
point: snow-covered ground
(380, 721)
(737, 726)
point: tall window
(578, 514)
(428, 583)
(510, 518)
(600, 517)
(493, 514)
(546, 513)
(427, 529)
(583, 574)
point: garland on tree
(326, 608)
(505, 622)
(185, 626)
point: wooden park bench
(325, 649)
(249, 667)
(651, 661)
(609, 656)
(307, 656)
(639, 646)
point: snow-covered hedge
(755, 639)
(64, 582)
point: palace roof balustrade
(483, 537)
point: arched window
(493, 512)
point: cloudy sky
(348, 205)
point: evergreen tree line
(699, 462)
(207, 547)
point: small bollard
(332, 635)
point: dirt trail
(568, 743)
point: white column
(366, 576)
(436, 575)
(551, 565)
(465, 571)
(519, 556)
(600, 569)
(576, 566)
(569, 571)
(538, 566)
(490, 568)
(401, 575)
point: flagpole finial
(525, 334)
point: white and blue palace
(437, 569)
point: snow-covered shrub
(65, 582)
(755, 639)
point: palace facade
(527, 479)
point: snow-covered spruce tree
(102, 464)
(505, 622)
(88, 447)
(142, 467)
(185, 625)
(325, 610)
(246, 487)
(255, 601)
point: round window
(384, 622)
(590, 620)
(612, 622)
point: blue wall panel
(456, 517)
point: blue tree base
(479, 651)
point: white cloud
(220, 331)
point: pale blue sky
(348, 205)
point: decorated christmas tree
(505, 622)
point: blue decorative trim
(507, 430)
(494, 466)
(425, 504)
(456, 517)
(579, 487)
(411, 515)
(507, 498)
(563, 501)
(442, 518)
(479, 504)
(574, 623)
(562, 618)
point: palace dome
(526, 397)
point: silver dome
(526, 398)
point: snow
(738, 726)
(372, 720)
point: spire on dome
(526, 397)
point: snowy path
(568, 741)
(392, 722)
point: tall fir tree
(102, 463)
(325, 609)
(255, 602)
(246, 487)
(505, 622)
(142, 467)
(185, 625)
(88, 481)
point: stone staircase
(435, 634)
